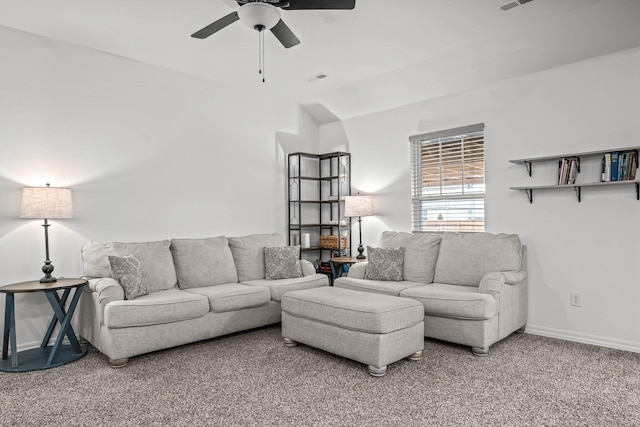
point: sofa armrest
(492, 283)
(106, 289)
(307, 267)
(356, 271)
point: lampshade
(358, 206)
(46, 202)
(254, 14)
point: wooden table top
(36, 286)
(346, 260)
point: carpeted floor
(251, 378)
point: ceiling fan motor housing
(259, 16)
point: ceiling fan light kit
(259, 16)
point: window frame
(448, 198)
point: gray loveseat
(473, 286)
(198, 289)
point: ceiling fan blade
(216, 26)
(284, 34)
(320, 4)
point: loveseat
(197, 289)
(473, 286)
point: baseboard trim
(36, 344)
(583, 338)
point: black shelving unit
(317, 184)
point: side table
(340, 265)
(44, 357)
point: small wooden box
(331, 242)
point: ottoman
(373, 329)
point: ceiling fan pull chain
(261, 51)
(263, 70)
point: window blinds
(448, 180)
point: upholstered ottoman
(373, 329)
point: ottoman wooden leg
(415, 356)
(377, 372)
(289, 342)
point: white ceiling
(382, 54)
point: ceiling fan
(265, 14)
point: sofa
(197, 289)
(473, 286)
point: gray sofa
(198, 289)
(473, 286)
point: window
(447, 180)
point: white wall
(589, 247)
(148, 153)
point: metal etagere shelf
(317, 185)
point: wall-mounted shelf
(528, 162)
(577, 187)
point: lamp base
(47, 269)
(360, 252)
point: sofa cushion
(128, 272)
(203, 262)
(282, 263)
(155, 259)
(459, 302)
(171, 305)
(384, 264)
(248, 254)
(282, 286)
(420, 253)
(360, 311)
(465, 258)
(233, 296)
(375, 286)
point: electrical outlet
(575, 299)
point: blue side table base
(46, 356)
(35, 359)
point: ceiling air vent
(509, 5)
(317, 77)
(512, 4)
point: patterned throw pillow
(282, 263)
(128, 272)
(384, 264)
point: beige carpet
(251, 378)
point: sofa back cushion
(248, 253)
(420, 253)
(465, 258)
(155, 260)
(203, 262)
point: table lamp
(359, 206)
(46, 203)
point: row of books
(325, 266)
(619, 166)
(568, 169)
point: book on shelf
(325, 266)
(615, 157)
(567, 170)
(606, 167)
